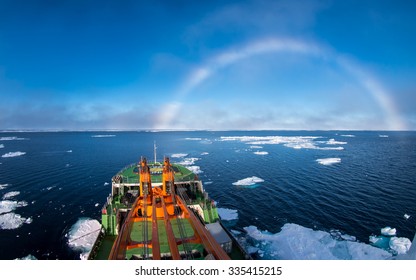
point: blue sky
(208, 65)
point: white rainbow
(275, 45)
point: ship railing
(125, 178)
(129, 180)
(97, 243)
(184, 196)
(134, 179)
(108, 202)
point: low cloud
(50, 117)
(225, 116)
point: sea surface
(283, 194)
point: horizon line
(187, 130)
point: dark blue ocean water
(62, 177)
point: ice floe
(248, 181)
(261, 140)
(261, 153)
(400, 245)
(7, 206)
(12, 221)
(188, 161)
(13, 154)
(294, 142)
(103, 135)
(256, 147)
(332, 141)
(206, 141)
(379, 241)
(301, 243)
(300, 145)
(179, 155)
(406, 216)
(328, 161)
(82, 235)
(388, 241)
(227, 214)
(12, 138)
(342, 236)
(27, 258)
(195, 169)
(339, 148)
(10, 194)
(388, 231)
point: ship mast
(154, 150)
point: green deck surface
(129, 174)
(189, 247)
(137, 231)
(138, 228)
(137, 236)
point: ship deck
(130, 173)
(137, 235)
(173, 231)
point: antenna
(154, 149)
